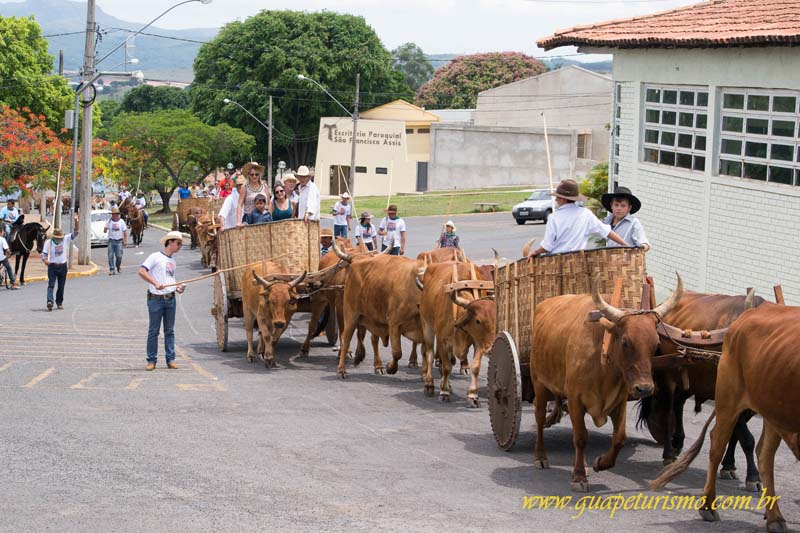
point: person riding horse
(26, 237)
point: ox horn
(670, 303)
(298, 280)
(340, 254)
(527, 248)
(419, 283)
(458, 300)
(607, 310)
(748, 301)
(390, 247)
(496, 259)
(261, 280)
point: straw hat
(289, 177)
(450, 223)
(115, 210)
(241, 180)
(325, 232)
(252, 165)
(303, 172)
(568, 190)
(57, 234)
(171, 235)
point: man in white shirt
(5, 253)
(569, 228)
(159, 271)
(226, 218)
(308, 204)
(55, 254)
(117, 240)
(341, 216)
(140, 203)
(393, 230)
(123, 195)
(8, 215)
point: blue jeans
(161, 309)
(339, 230)
(114, 254)
(10, 271)
(394, 251)
(56, 273)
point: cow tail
(644, 408)
(682, 463)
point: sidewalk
(35, 270)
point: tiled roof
(713, 24)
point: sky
(437, 26)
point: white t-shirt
(341, 212)
(309, 202)
(3, 248)
(367, 233)
(139, 202)
(57, 253)
(123, 195)
(228, 210)
(116, 229)
(162, 269)
(393, 229)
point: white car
(99, 219)
(538, 206)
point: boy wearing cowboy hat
(365, 231)
(159, 271)
(621, 204)
(569, 228)
(325, 241)
(448, 238)
(117, 240)
(308, 202)
(54, 255)
(341, 216)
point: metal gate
(422, 176)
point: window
(615, 130)
(675, 127)
(381, 170)
(409, 131)
(759, 137)
(361, 170)
(584, 146)
(423, 130)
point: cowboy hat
(241, 180)
(345, 195)
(289, 177)
(303, 172)
(450, 223)
(57, 234)
(568, 190)
(252, 165)
(391, 209)
(365, 214)
(115, 210)
(621, 192)
(171, 235)
(325, 232)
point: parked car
(99, 219)
(537, 206)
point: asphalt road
(92, 442)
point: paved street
(92, 442)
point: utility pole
(269, 150)
(353, 146)
(85, 237)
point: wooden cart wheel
(505, 391)
(220, 312)
(176, 223)
(331, 329)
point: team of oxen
(443, 302)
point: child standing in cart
(621, 204)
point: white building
(706, 124)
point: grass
(161, 219)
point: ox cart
(519, 288)
(292, 243)
(180, 220)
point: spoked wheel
(220, 313)
(505, 391)
(331, 329)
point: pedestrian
(54, 255)
(366, 231)
(281, 206)
(569, 228)
(140, 203)
(226, 218)
(5, 253)
(159, 271)
(9, 214)
(117, 240)
(449, 239)
(341, 216)
(184, 192)
(260, 214)
(621, 204)
(325, 241)
(308, 203)
(393, 230)
(253, 172)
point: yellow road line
(32, 383)
(134, 384)
(70, 357)
(203, 372)
(85, 381)
(200, 387)
(6, 366)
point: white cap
(345, 195)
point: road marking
(6, 366)
(85, 381)
(32, 383)
(203, 372)
(134, 384)
(218, 387)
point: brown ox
(136, 223)
(192, 221)
(381, 294)
(566, 361)
(758, 371)
(457, 321)
(440, 255)
(270, 303)
(207, 240)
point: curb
(85, 274)
(167, 230)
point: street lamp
(353, 115)
(269, 133)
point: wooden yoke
(455, 281)
(616, 301)
(779, 294)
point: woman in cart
(254, 186)
(281, 206)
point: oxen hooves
(473, 403)
(727, 474)
(752, 486)
(342, 374)
(541, 464)
(579, 486)
(429, 391)
(708, 515)
(391, 368)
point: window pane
(616, 168)
(687, 120)
(650, 156)
(684, 160)
(758, 102)
(783, 128)
(666, 158)
(700, 142)
(733, 101)
(702, 99)
(757, 126)
(784, 104)
(670, 97)
(616, 149)
(653, 95)
(699, 163)
(619, 111)
(783, 152)
(616, 131)
(668, 117)
(651, 136)
(731, 146)
(730, 168)
(752, 149)
(409, 131)
(687, 98)
(361, 170)
(732, 123)
(651, 115)
(668, 138)
(781, 175)
(685, 140)
(701, 121)
(755, 172)
(381, 170)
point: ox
(457, 321)
(566, 361)
(758, 371)
(207, 240)
(440, 255)
(192, 218)
(269, 302)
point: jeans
(114, 254)
(394, 251)
(56, 272)
(161, 309)
(339, 230)
(4, 263)
(146, 216)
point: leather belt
(168, 296)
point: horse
(123, 209)
(136, 223)
(24, 237)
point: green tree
(25, 72)
(456, 86)
(411, 61)
(146, 98)
(171, 144)
(594, 186)
(262, 56)
(108, 110)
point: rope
(221, 271)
